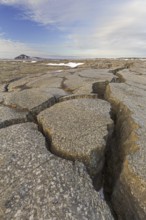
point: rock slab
(78, 130)
(38, 185)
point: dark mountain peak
(22, 57)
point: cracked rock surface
(9, 116)
(64, 131)
(78, 130)
(129, 181)
(38, 185)
(30, 99)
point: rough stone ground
(46, 171)
(129, 99)
(78, 130)
(36, 184)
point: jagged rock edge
(112, 173)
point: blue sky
(84, 28)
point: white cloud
(92, 28)
(54, 12)
(11, 49)
(121, 32)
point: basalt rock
(33, 100)
(126, 166)
(78, 130)
(34, 184)
(50, 170)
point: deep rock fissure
(6, 88)
(109, 179)
(118, 77)
(98, 180)
(115, 156)
(32, 117)
(12, 122)
(99, 89)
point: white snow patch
(70, 64)
(33, 61)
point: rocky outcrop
(128, 178)
(78, 130)
(61, 155)
(33, 100)
(125, 158)
(38, 185)
(10, 116)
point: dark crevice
(31, 115)
(47, 138)
(118, 78)
(8, 83)
(98, 179)
(106, 178)
(99, 88)
(64, 87)
(8, 123)
(48, 142)
(120, 143)
(6, 88)
(108, 170)
(23, 87)
(74, 96)
(116, 70)
(15, 79)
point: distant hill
(25, 57)
(22, 57)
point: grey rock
(86, 88)
(34, 100)
(98, 74)
(20, 152)
(78, 130)
(73, 82)
(129, 190)
(78, 85)
(134, 79)
(56, 92)
(36, 81)
(45, 81)
(82, 81)
(2, 96)
(9, 116)
(20, 84)
(38, 185)
(138, 67)
(2, 87)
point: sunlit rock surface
(63, 131)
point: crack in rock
(124, 188)
(77, 130)
(38, 185)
